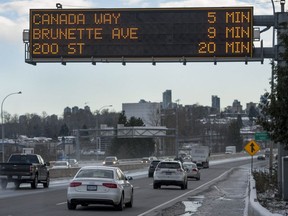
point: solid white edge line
(163, 204)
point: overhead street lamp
(97, 122)
(2, 121)
(176, 113)
(98, 140)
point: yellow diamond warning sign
(252, 148)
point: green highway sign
(262, 136)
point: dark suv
(152, 167)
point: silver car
(111, 160)
(192, 170)
(100, 185)
(61, 165)
(170, 173)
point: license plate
(168, 173)
(91, 187)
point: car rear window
(189, 165)
(169, 165)
(110, 159)
(154, 163)
(95, 174)
(23, 159)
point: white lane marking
(163, 204)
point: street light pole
(272, 90)
(2, 121)
(177, 133)
(98, 138)
(177, 129)
(98, 114)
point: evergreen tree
(274, 106)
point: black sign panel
(141, 33)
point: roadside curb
(254, 207)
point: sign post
(252, 148)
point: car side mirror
(129, 178)
(47, 163)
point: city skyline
(50, 87)
(236, 104)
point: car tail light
(31, 169)
(195, 169)
(110, 185)
(75, 184)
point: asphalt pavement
(227, 196)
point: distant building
(249, 105)
(149, 112)
(216, 102)
(236, 107)
(167, 99)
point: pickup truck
(24, 168)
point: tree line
(189, 125)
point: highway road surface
(225, 182)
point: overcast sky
(51, 87)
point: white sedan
(100, 185)
(61, 165)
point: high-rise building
(216, 102)
(249, 105)
(236, 106)
(167, 99)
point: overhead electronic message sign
(141, 33)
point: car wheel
(35, 182)
(130, 204)
(119, 207)
(4, 183)
(47, 182)
(183, 186)
(71, 206)
(155, 186)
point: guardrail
(255, 208)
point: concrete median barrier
(70, 172)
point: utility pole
(281, 18)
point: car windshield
(95, 174)
(189, 165)
(169, 165)
(72, 161)
(110, 159)
(60, 163)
